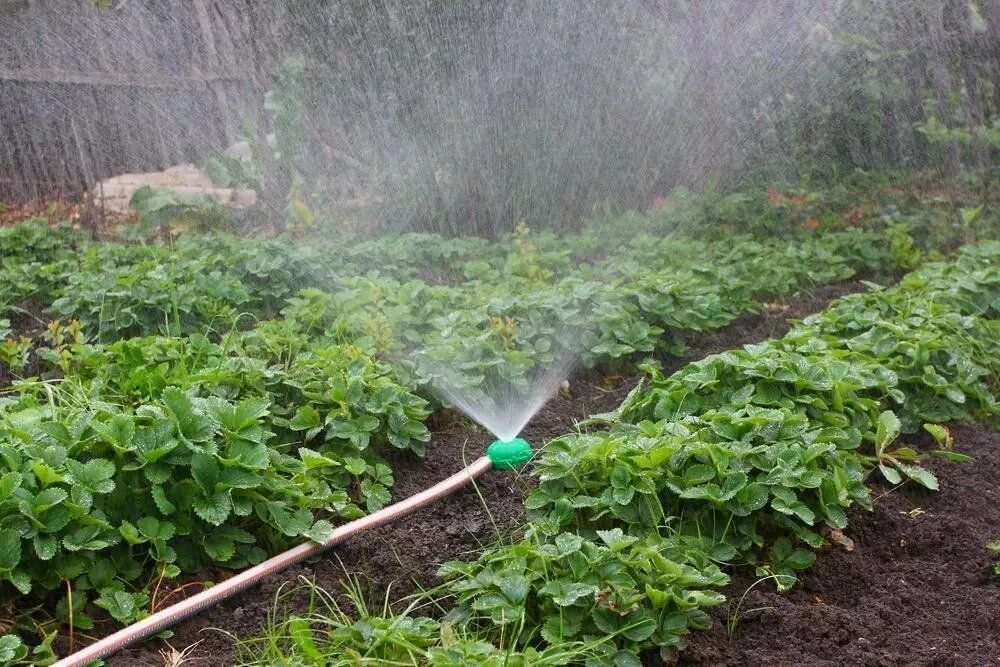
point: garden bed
(915, 590)
(397, 556)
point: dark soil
(396, 557)
(917, 588)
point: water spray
(500, 455)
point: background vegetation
(467, 117)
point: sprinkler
(509, 454)
(500, 455)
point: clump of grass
(350, 629)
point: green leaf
(120, 431)
(698, 474)
(95, 475)
(289, 524)
(162, 502)
(8, 483)
(940, 434)
(891, 474)
(567, 594)
(919, 474)
(193, 424)
(319, 531)
(214, 509)
(48, 499)
(313, 459)
(301, 634)
(131, 533)
(246, 413)
(86, 538)
(219, 547)
(250, 454)
(46, 546)
(800, 559)
(10, 549)
(155, 529)
(305, 418)
(616, 539)
(376, 495)
(954, 457)
(568, 543)
(514, 587)
(355, 466)
(12, 649)
(887, 429)
(124, 607)
(205, 472)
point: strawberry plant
(162, 456)
(569, 588)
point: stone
(114, 194)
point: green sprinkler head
(509, 455)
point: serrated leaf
(12, 649)
(920, 475)
(567, 594)
(46, 546)
(219, 547)
(192, 423)
(250, 454)
(157, 473)
(8, 483)
(514, 587)
(888, 428)
(799, 559)
(941, 435)
(245, 413)
(124, 607)
(10, 549)
(305, 418)
(568, 543)
(48, 499)
(616, 539)
(319, 531)
(154, 529)
(355, 466)
(162, 502)
(891, 475)
(205, 472)
(214, 509)
(376, 495)
(954, 457)
(130, 533)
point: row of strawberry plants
(202, 283)
(485, 337)
(751, 456)
(159, 456)
(474, 337)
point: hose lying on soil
(164, 618)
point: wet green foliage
(752, 455)
(161, 456)
(203, 401)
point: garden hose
(499, 455)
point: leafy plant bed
(391, 559)
(917, 588)
(752, 457)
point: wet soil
(406, 555)
(917, 588)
